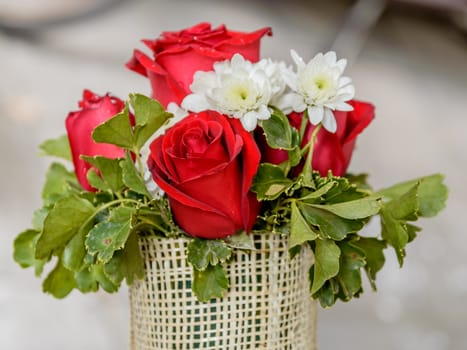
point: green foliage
(301, 230)
(92, 236)
(59, 147)
(209, 277)
(24, 251)
(116, 131)
(394, 217)
(328, 214)
(432, 193)
(210, 283)
(110, 235)
(68, 216)
(202, 253)
(326, 263)
(149, 115)
(270, 182)
(278, 132)
(60, 281)
(372, 249)
(58, 182)
(131, 177)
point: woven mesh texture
(268, 305)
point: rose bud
(80, 124)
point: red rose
(80, 124)
(178, 55)
(332, 151)
(206, 164)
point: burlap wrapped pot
(268, 305)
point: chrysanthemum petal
(329, 121)
(263, 113)
(341, 64)
(203, 81)
(249, 121)
(315, 114)
(297, 59)
(330, 58)
(195, 103)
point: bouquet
(228, 146)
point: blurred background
(409, 58)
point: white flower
(275, 71)
(237, 88)
(318, 87)
(178, 114)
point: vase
(267, 306)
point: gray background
(411, 64)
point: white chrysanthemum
(237, 88)
(319, 87)
(275, 71)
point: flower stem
(307, 168)
(139, 162)
(303, 125)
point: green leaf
(210, 283)
(202, 252)
(240, 240)
(412, 231)
(24, 251)
(65, 220)
(319, 193)
(404, 207)
(278, 131)
(105, 282)
(270, 181)
(150, 116)
(59, 147)
(326, 263)
(330, 225)
(373, 250)
(342, 191)
(109, 169)
(38, 218)
(85, 281)
(108, 236)
(57, 183)
(395, 233)
(60, 281)
(126, 263)
(300, 230)
(116, 131)
(132, 178)
(432, 193)
(325, 294)
(95, 180)
(349, 276)
(356, 209)
(74, 253)
(394, 217)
